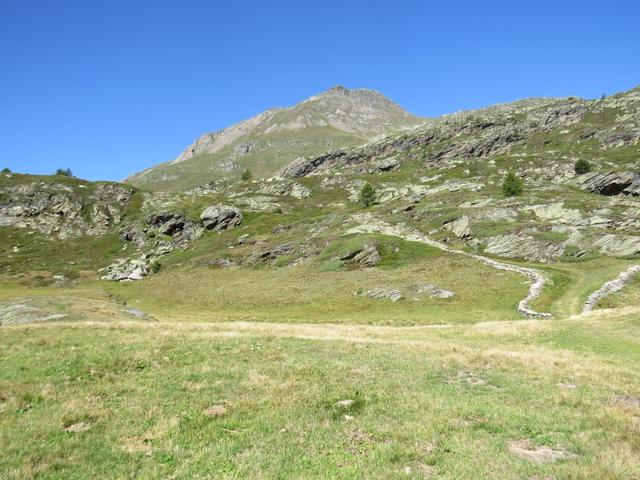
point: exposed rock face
(432, 291)
(221, 217)
(611, 183)
(519, 246)
(174, 225)
(367, 256)
(127, 270)
(479, 134)
(460, 227)
(618, 245)
(381, 293)
(63, 210)
(284, 188)
(273, 253)
(557, 212)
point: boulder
(381, 293)
(611, 183)
(127, 270)
(221, 217)
(367, 256)
(432, 291)
(460, 227)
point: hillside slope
(336, 118)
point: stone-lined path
(537, 279)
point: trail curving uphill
(610, 287)
(537, 279)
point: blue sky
(109, 88)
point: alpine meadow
(337, 289)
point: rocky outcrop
(618, 245)
(482, 134)
(460, 227)
(367, 256)
(610, 288)
(611, 183)
(525, 247)
(284, 188)
(221, 217)
(64, 210)
(430, 290)
(380, 293)
(126, 270)
(273, 253)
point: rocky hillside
(336, 118)
(439, 185)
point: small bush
(65, 172)
(367, 195)
(246, 175)
(6, 170)
(155, 266)
(512, 185)
(582, 167)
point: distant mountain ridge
(266, 142)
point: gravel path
(610, 287)
(537, 279)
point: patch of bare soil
(525, 450)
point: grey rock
(525, 247)
(367, 256)
(381, 293)
(432, 291)
(221, 217)
(618, 245)
(611, 183)
(460, 227)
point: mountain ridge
(335, 118)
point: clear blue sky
(107, 88)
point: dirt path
(610, 287)
(537, 279)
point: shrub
(512, 185)
(6, 170)
(155, 266)
(367, 195)
(246, 175)
(582, 166)
(64, 171)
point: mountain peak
(336, 118)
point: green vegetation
(367, 195)
(6, 170)
(157, 400)
(66, 172)
(582, 166)
(512, 185)
(246, 175)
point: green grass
(448, 399)
(323, 292)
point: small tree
(512, 185)
(367, 195)
(246, 175)
(64, 171)
(582, 166)
(6, 170)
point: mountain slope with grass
(458, 300)
(336, 118)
